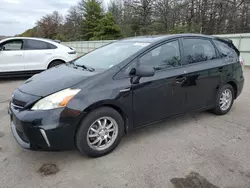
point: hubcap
(225, 99)
(102, 133)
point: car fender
(122, 102)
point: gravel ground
(216, 147)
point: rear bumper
(240, 86)
(44, 130)
(72, 57)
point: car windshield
(110, 55)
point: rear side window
(225, 50)
(38, 45)
(198, 50)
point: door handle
(221, 69)
(229, 60)
(180, 80)
(18, 55)
(124, 90)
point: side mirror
(1, 48)
(142, 71)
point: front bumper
(18, 138)
(44, 130)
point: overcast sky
(16, 16)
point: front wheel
(100, 132)
(224, 100)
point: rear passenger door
(205, 71)
(37, 54)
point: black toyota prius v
(91, 102)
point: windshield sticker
(141, 44)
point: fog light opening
(45, 137)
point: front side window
(12, 45)
(163, 57)
(37, 45)
(198, 50)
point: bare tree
(49, 25)
(72, 24)
(142, 17)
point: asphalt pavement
(216, 147)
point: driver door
(11, 56)
(163, 95)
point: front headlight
(56, 100)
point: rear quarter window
(225, 50)
(51, 46)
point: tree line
(90, 20)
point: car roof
(156, 38)
(33, 38)
(149, 38)
(143, 39)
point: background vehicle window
(13, 45)
(51, 46)
(224, 49)
(38, 45)
(198, 50)
(163, 57)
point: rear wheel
(55, 63)
(224, 100)
(100, 132)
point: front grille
(18, 102)
(22, 136)
(16, 107)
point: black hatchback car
(91, 102)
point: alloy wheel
(102, 133)
(226, 99)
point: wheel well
(233, 84)
(124, 116)
(54, 61)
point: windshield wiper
(90, 69)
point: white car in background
(26, 56)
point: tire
(87, 145)
(219, 109)
(54, 64)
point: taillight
(242, 62)
(72, 52)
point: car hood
(53, 80)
